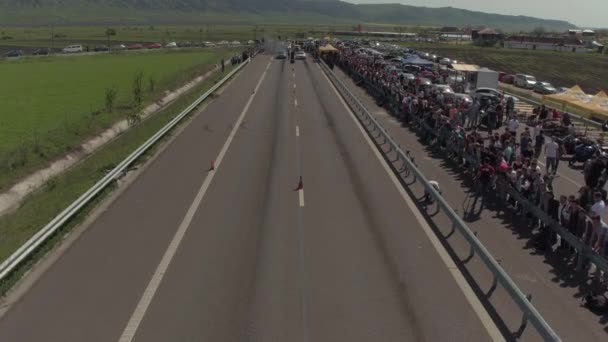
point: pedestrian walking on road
(551, 154)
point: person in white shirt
(513, 125)
(599, 207)
(551, 154)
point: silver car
(544, 88)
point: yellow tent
(327, 49)
(598, 106)
(576, 101)
(572, 99)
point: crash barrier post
(528, 310)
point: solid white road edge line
(301, 195)
(483, 315)
(144, 303)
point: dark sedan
(42, 52)
(14, 53)
(101, 48)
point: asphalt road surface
(236, 253)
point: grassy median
(41, 206)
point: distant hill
(90, 12)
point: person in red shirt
(485, 174)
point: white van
(73, 49)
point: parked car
(525, 81)
(155, 46)
(282, 55)
(101, 48)
(482, 92)
(562, 90)
(443, 88)
(119, 47)
(235, 42)
(184, 44)
(42, 52)
(223, 42)
(407, 76)
(135, 47)
(300, 55)
(445, 61)
(544, 88)
(506, 78)
(72, 49)
(14, 53)
(413, 69)
(452, 97)
(425, 82)
(208, 44)
(171, 45)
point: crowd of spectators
(487, 138)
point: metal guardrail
(500, 276)
(31, 245)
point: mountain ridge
(72, 12)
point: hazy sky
(589, 13)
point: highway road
(216, 241)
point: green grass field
(590, 70)
(49, 105)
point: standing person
(427, 196)
(552, 155)
(538, 146)
(524, 145)
(508, 153)
(598, 236)
(485, 174)
(513, 125)
(510, 105)
(473, 114)
(492, 118)
(598, 207)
